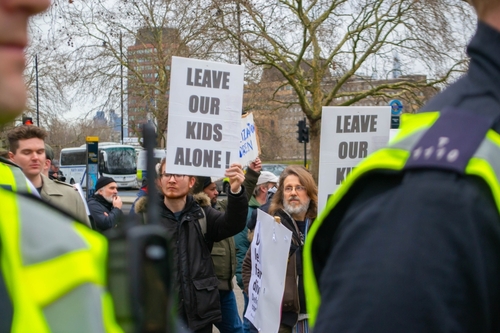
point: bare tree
(123, 50)
(319, 46)
(63, 133)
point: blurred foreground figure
(411, 241)
(53, 270)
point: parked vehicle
(115, 160)
(277, 169)
(223, 183)
(141, 163)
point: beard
(297, 209)
(178, 194)
(109, 199)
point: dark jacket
(293, 301)
(223, 255)
(143, 191)
(97, 207)
(197, 283)
(242, 242)
(226, 252)
(418, 251)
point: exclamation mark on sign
(228, 157)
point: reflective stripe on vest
(12, 178)
(54, 269)
(484, 163)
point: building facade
(149, 62)
(277, 119)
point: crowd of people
(410, 242)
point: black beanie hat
(201, 183)
(103, 181)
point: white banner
(204, 122)
(270, 248)
(249, 145)
(348, 134)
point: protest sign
(270, 247)
(249, 145)
(348, 134)
(204, 122)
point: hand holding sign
(256, 165)
(236, 176)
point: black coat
(418, 251)
(97, 207)
(197, 283)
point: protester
(53, 271)
(194, 227)
(27, 149)
(224, 252)
(295, 203)
(51, 167)
(264, 207)
(411, 241)
(105, 205)
(143, 191)
(266, 181)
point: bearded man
(296, 204)
(105, 206)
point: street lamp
(121, 88)
(37, 98)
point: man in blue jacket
(105, 206)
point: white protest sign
(82, 194)
(270, 247)
(249, 146)
(204, 122)
(348, 134)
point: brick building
(149, 62)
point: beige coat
(65, 197)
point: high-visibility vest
(419, 144)
(12, 177)
(53, 268)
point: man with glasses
(194, 226)
(296, 204)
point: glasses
(298, 189)
(170, 175)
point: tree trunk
(314, 136)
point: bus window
(120, 161)
(73, 158)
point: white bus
(115, 160)
(141, 162)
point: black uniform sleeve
(423, 256)
(221, 225)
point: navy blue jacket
(418, 251)
(97, 207)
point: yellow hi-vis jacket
(407, 148)
(52, 268)
(12, 177)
